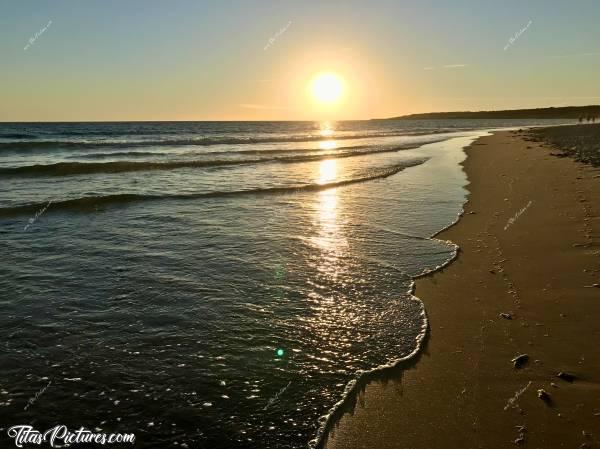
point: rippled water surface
(214, 283)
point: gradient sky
(206, 60)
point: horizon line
(299, 120)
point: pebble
(566, 376)
(520, 360)
(543, 395)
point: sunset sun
(327, 87)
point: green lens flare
(279, 352)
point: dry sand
(463, 392)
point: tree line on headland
(580, 113)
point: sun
(327, 87)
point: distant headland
(567, 112)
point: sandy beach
(524, 283)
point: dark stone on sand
(544, 395)
(506, 316)
(566, 376)
(520, 360)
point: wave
(211, 153)
(358, 384)
(83, 133)
(197, 141)
(16, 136)
(119, 154)
(395, 367)
(86, 168)
(93, 203)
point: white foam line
(362, 377)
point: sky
(110, 60)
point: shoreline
(486, 402)
(391, 369)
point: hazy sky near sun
(253, 60)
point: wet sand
(530, 249)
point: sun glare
(327, 87)
(327, 171)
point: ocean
(216, 284)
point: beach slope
(525, 283)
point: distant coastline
(567, 112)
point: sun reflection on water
(330, 315)
(326, 129)
(327, 145)
(328, 209)
(327, 171)
(330, 237)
